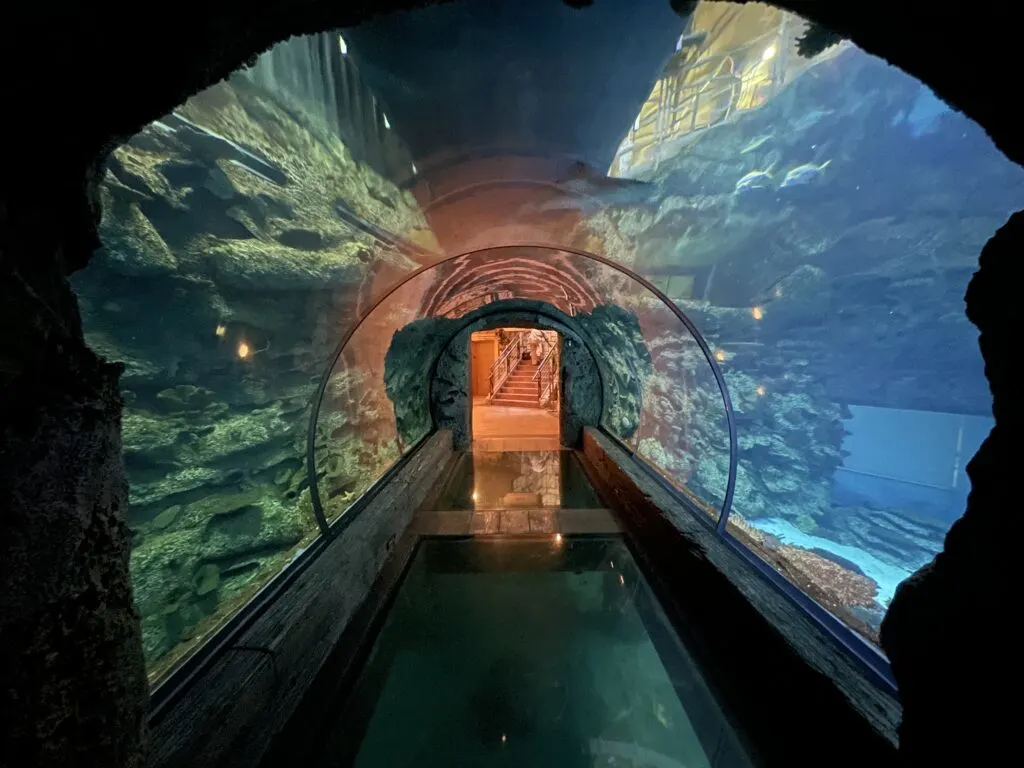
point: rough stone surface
(72, 679)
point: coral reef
(227, 274)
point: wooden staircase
(519, 389)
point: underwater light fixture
(720, 355)
(757, 312)
(387, 123)
(558, 538)
(769, 52)
(244, 351)
(414, 168)
(220, 330)
(342, 45)
(760, 391)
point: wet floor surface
(501, 428)
(513, 652)
(518, 480)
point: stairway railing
(507, 362)
(546, 379)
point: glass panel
(530, 653)
(372, 412)
(240, 234)
(819, 220)
(683, 431)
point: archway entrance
(514, 383)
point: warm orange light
(244, 351)
(720, 355)
(760, 391)
(757, 313)
(221, 330)
(558, 538)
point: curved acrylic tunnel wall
(660, 391)
(819, 220)
(242, 235)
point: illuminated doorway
(514, 376)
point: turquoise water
(516, 653)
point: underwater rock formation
(865, 263)
(226, 276)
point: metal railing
(506, 363)
(546, 379)
(687, 106)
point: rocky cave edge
(68, 627)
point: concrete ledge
(799, 695)
(230, 716)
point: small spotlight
(387, 123)
(244, 351)
(720, 355)
(611, 563)
(476, 496)
(414, 171)
(558, 538)
(769, 53)
(504, 738)
(760, 391)
(622, 580)
(342, 45)
(220, 330)
(757, 312)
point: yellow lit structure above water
(730, 59)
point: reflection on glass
(512, 479)
(530, 653)
(231, 264)
(819, 220)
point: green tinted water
(529, 653)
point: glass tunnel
(754, 260)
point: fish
(803, 174)
(757, 143)
(754, 180)
(806, 121)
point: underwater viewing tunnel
(511, 383)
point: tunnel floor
(523, 632)
(512, 651)
(506, 428)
